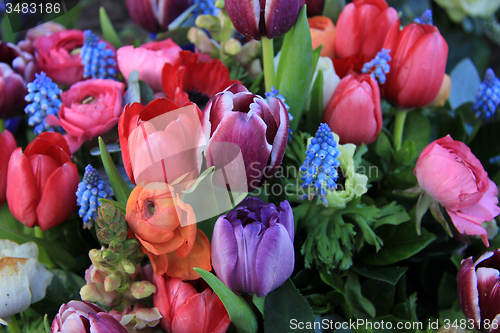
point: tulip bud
(142, 289)
(232, 47)
(269, 18)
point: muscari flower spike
(275, 93)
(379, 66)
(43, 96)
(90, 190)
(98, 61)
(205, 7)
(487, 96)
(320, 165)
(426, 18)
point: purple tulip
(269, 18)
(156, 15)
(252, 246)
(236, 120)
(478, 292)
(85, 317)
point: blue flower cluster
(43, 96)
(487, 96)
(205, 7)
(90, 190)
(379, 66)
(98, 61)
(275, 93)
(320, 165)
(426, 18)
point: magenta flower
(252, 246)
(84, 317)
(478, 292)
(237, 120)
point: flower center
(149, 209)
(198, 98)
(88, 100)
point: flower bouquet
(250, 166)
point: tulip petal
(104, 323)
(488, 283)
(58, 202)
(247, 24)
(7, 146)
(16, 295)
(126, 124)
(22, 194)
(468, 295)
(224, 250)
(199, 256)
(73, 323)
(286, 218)
(275, 259)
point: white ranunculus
(23, 279)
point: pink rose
(449, 172)
(89, 108)
(148, 59)
(55, 57)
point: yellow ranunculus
(457, 9)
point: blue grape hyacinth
(487, 96)
(43, 96)
(90, 190)
(426, 18)
(98, 61)
(205, 7)
(320, 165)
(378, 66)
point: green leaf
(284, 305)
(178, 36)
(315, 112)
(362, 308)
(147, 94)
(133, 94)
(334, 281)
(239, 311)
(402, 245)
(381, 295)
(108, 31)
(417, 129)
(120, 187)
(389, 275)
(383, 147)
(393, 214)
(333, 8)
(464, 82)
(117, 205)
(423, 205)
(406, 154)
(295, 68)
(259, 303)
(181, 18)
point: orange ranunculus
(323, 32)
(166, 228)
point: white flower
(330, 79)
(23, 279)
(457, 9)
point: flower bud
(209, 22)
(199, 38)
(142, 289)
(127, 267)
(112, 282)
(232, 47)
(248, 52)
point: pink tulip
(89, 108)
(419, 55)
(148, 60)
(354, 111)
(7, 146)
(449, 172)
(156, 15)
(42, 181)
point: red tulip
(419, 54)
(42, 181)
(185, 310)
(156, 15)
(362, 28)
(354, 111)
(7, 146)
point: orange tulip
(166, 228)
(323, 32)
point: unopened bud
(90, 293)
(232, 47)
(204, 44)
(142, 289)
(249, 51)
(209, 22)
(112, 282)
(115, 246)
(127, 267)
(255, 69)
(220, 4)
(109, 255)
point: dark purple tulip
(246, 121)
(314, 7)
(156, 15)
(269, 18)
(479, 292)
(85, 317)
(17, 68)
(252, 246)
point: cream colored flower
(457, 9)
(23, 279)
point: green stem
(13, 325)
(268, 57)
(2, 125)
(39, 233)
(398, 128)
